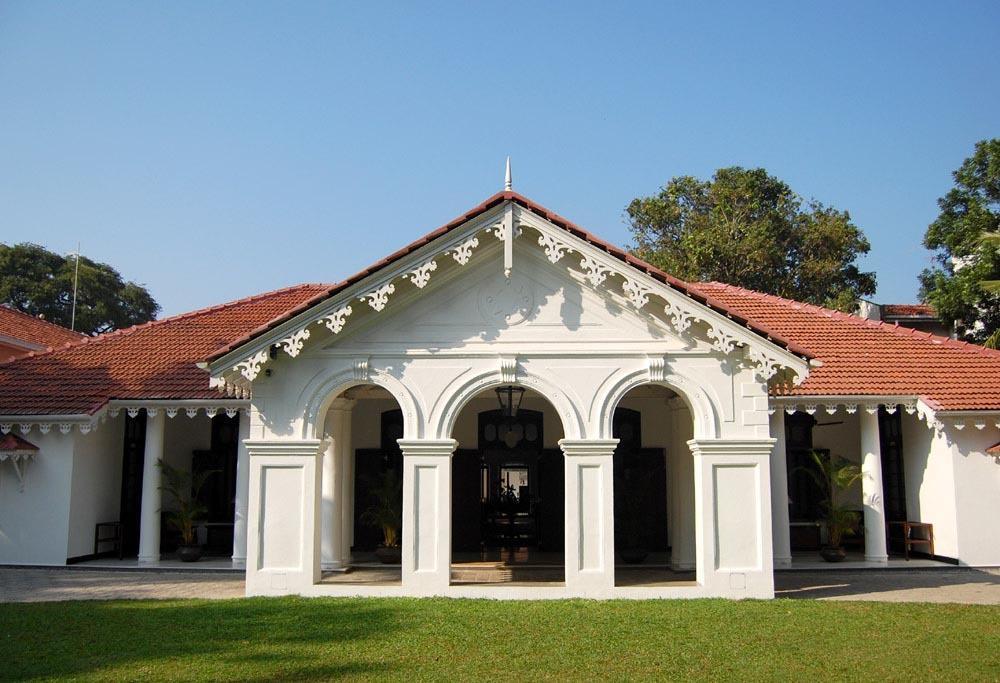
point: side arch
(319, 393)
(443, 421)
(703, 409)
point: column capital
(724, 447)
(431, 447)
(588, 447)
(279, 447)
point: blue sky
(215, 150)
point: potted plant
(835, 476)
(386, 513)
(183, 487)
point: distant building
(20, 334)
(916, 316)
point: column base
(239, 563)
(877, 559)
(334, 567)
(782, 562)
(149, 561)
(682, 566)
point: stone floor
(959, 585)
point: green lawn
(461, 639)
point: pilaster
(733, 516)
(283, 530)
(590, 521)
(426, 537)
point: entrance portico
(492, 304)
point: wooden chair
(910, 534)
(115, 538)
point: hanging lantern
(510, 400)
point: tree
(958, 286)
(37, 281)
(746, 227)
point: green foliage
(322, 639)
(386, 510)
(183, 487)
(748, 228)
(835, 476)
(968, 259)
(37, 281)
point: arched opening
(508, 509)
(362, 487)
(653, 488)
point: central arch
(508, 490)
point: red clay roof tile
(35, 331)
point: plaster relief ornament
(335, 321)
(506, 302)
(378, 298)
(596, 272)
(250, 368)
(637, 293)
(554, 249)
(766, 366)
(680, 318)
(293, 344)
(463, 252)
(422, 275)
(722, 341)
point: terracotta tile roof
(155, 360)
(11, 443)
(550, 216)
(908, 311)
(865, 357)
(34, 331)
(994, 449)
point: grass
(294, 638)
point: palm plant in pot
(183, 487)
(386, 513)
(835, 477)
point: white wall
(930, 483)
(977, 495)
(97, 480)
(34, 523)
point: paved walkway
(938, 585)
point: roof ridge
(37, 319)
(892, 328)
(125, 331)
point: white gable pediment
(507, 278)
(538, 306)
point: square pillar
(426, 537)
(283, 529)
(780, 529)
(590, 516)
(871, 487)
(733, 517)
(241, 501)
(152, 478)
(335, 546)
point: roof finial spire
(508, 185)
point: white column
(346, 483)
(242, 494)
(335, 551)
(149, 521)
(780, 531)
(733, 517)
(426, 539)
(871, 488)
(590, 516)
(682, 548)
(283, 524)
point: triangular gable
(503, 217)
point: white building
(655, 415)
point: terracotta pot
(833, 553)
(389, 555)
(189, 553)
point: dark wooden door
(893, 479)
(133, 453)
(640, 481)
(551, 506)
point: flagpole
(76, 279)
